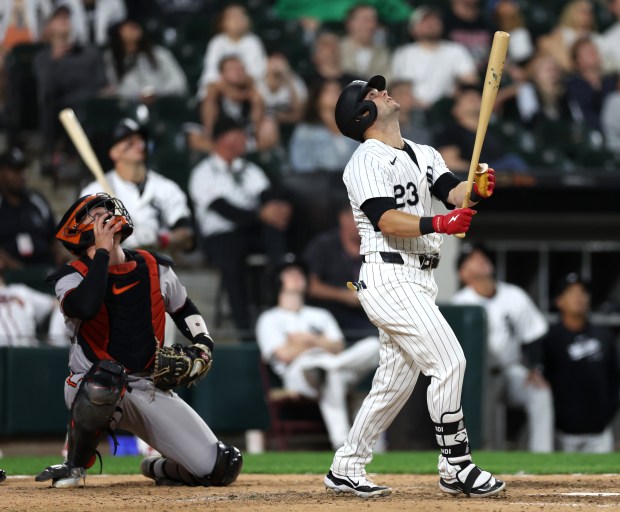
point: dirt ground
(293, 493)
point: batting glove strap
(457, 221)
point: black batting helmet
(354, 115)
(76, 234)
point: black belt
(426, 260)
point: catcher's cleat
(473, 482)
(2, 475)
(63, 476)
(360, 486)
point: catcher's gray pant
(415, 337)
(164, 421)
(341, 372)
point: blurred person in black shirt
(28, 226)
(581, 364)
(333, 258)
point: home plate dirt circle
(292, 493)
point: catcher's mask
(354, 114)
(76, 231)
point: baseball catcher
(122, 376)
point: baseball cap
(125, 128)
(225, 124)
(13, 159)
(467, 249)
(569, 280)
(290, 260)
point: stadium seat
(289, 413)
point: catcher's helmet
(76, 235)
(354, 114)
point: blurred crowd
(198, 109)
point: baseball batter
(390, 183)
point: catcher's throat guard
(76, 228)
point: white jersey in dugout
(378, 170)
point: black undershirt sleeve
(85, 299)
(442, 187)
(240, 216)
(375, 207)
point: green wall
(230, 398)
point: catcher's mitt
(180, 366)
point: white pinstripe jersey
(378, 170)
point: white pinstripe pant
(415, 337)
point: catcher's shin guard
(227, 465)
(167, 472)
(91, 412)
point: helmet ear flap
(365, 116)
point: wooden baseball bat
(82, 144)
(495, 68)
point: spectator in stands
(305, 347)
(541, 99)
(581, 363)
(515, 328)
(576, 21)
(171, 13)
(23, 310)
(609, 41)
(610, 122)
(465, 23)
(508, 18)
(157, 205)
(456, 142)
(27, 227)
(137, 69)
(21, 23)
(317, 144)
(362, 51)
(68, 74)
(283, 91)
(333, 258)
(326, 62)
(234, 37)
(411, 118)
(588, 85)
(91, 19)
(235, 95)
(238, 213)
(433, 65)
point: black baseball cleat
(63, 476)
(491, 487)
(2, 475)
(360, 486)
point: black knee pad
(227, 465)
(101, 389)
